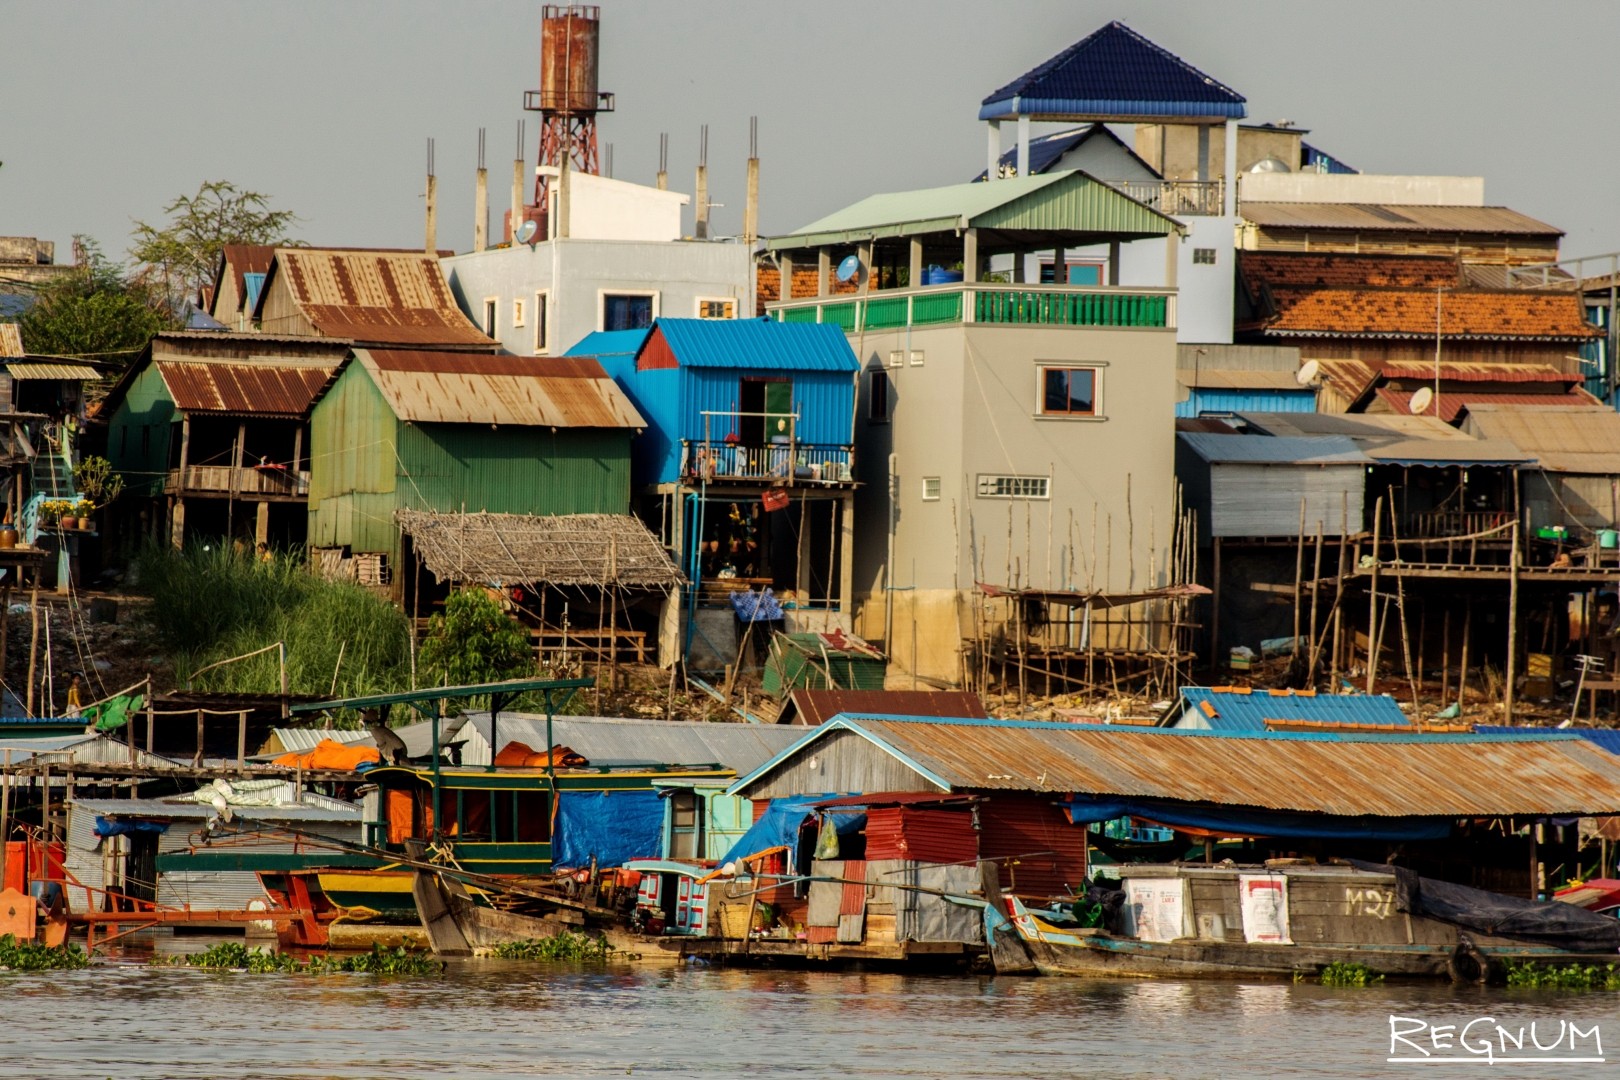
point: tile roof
(753, 343)
(1410, 313)
(768, 285)
(1273, 450)
(259, 388)
(373, 297)
(818, 706)
(1562, 439)
(1305, 269)
(1114, 71)
(1379, 217)
(1453, 402)
(1225, 708)
(424, 386)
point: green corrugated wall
(351, 470)
(1075, 204)
(138, 434)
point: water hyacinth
(563, 945)
(28, 956)
(1534, 976)
(234, 956)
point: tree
(185, 253)
(96, 312)
(474, 641)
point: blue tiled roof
(609, 343)
(1237, 711)
(753, 343)
(1114, 72)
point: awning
(57, 370)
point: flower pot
(70, 522)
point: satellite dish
(849, 268)
(1422, 397)
(527, 230)
(1307, 372)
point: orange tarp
(518, 755)
(330, 755)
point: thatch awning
(598, 550)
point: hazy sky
(112, 108)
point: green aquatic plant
(563, 945)
(1534, 976)
(234, 956)
(27, 956)
(1345, 973)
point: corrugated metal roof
(1570, 439)
(468, 388)
(260, 388)
(1453, 401)
(195, 811)
(1114, 71)
(1271, 450)
(755, 343)
(302, 739)
(1341, 774)
(1473, 371)
(818, 706)
(1227, 379)
(616, 741)
(1607, 738)
(1356, 425)
(242, 259)
(1066, 202)
(53, 370)
(392, 298)
(601, 343)
(1242, 709)
(11, 340)
(1377, 217)
(1463, 452)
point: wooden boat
(1232, 922)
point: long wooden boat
(1223, 922)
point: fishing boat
(1281, 921)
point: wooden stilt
(1372, 598)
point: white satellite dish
(527, 230)
(1307, 372)
(1422, 398)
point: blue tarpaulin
(615, 826)
(753, 606)
(777, 826)
(127, 827)
(1085, 809)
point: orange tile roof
(1319, 270)
(1410, 313)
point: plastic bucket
(1608, 538)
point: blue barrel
(938, 275)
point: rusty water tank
(570, 40)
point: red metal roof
(265, 388)
(1452, 403)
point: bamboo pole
(33, 642)
(1372, 598)
(1512, 629)
(1462, 667)
(1316, 590)
(1299, 573)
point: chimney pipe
(751, 208)
(663, 161)
(700, 226)
(432, 243)
(481, 201)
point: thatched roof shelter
(595, 550)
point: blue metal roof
(1322, 161)
(1239, 711)
(1603, 738)
(758, 343)
(1274, 449)
(1114, 72)
(609, 343)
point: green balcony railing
(998, 305)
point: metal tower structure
(568, 100)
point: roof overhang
(1103, 110)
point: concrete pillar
(481, 211)
(700, 203)
(994, 166)
(1113, 262)
(916, 266)
(261, 524)
(517, 201)
(864, 253)
(823, 272)
(1229, 171)
(1172, 262)
(1023, 146)
(1060, 266)
(431, 243)
(1018, 275)
(751, 206)
(970, 255)
(784, 260)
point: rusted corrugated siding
(457, 388)
(814, 707)
(935, 836)
(1041, 853)
(374, 296)
(266, 388)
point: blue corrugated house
(1241, 708)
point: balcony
(247, 482)
(1178, 198)
(987, 304)
(781, 461)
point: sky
(113, 109)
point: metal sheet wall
(1263, 500)
(514, 470)
(1204, 401)
(138, 435)
(922, 835)
(842, 763)
(85, 858)
(1042, 853)
(352, 467)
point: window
(917, 358)
(542, 311)
(716, 309)
(930, 489)
(628, 310)
(1014, 487)
(897, 358)
(490, 305)
(1203, 256)
(1083, 272)
(877, 398)
(686, 825)
(1066, 391)
(517, 312)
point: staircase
(51, 475)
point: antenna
(1307, 372)
(526, 232)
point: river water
(493, 1019)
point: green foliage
(234, 956)
(1536, 976)
(213, 602)
(563, 945)
(27, 956)
(1343, 973)
(95, 480)
(185, 252)
(97, 312)
(474, 641)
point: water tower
(568, 100)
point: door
(766, 404)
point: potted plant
(50, 511)
(82, 510)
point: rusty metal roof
(259, 388)
(1378, 217)
(1342, 774)
(467, 388)
(242, 259)
(11, 340)
(818, 706)
(378, 297)
(1562, 438)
